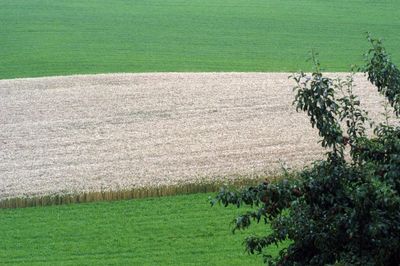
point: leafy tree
(341, 210)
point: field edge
(128, 194)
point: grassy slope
(39, 37)
(160, 231)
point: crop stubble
(119, 131)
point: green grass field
(40, 37)
(158, 231)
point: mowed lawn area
(158, 231)
(40, 38)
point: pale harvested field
(101, 132)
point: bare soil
(118, 131)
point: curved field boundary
(79, 135)
(134, 193)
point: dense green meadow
(40, 37)
(155, 231)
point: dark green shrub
(338, 211)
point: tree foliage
(342, 210)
